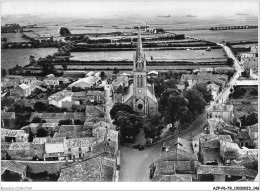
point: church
(139, 95)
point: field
(13, 37)
(12, 57)
(184, 55)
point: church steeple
(139, 57)
(139, 48)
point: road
(109, 104)
(135, 164)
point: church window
(141, 81)
(140, 106)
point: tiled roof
(24, 86)
(79, 142)
(13, 167)
(7, 115)
(221, 107)
(211, 155)
(64, 128)
(39, 140)
(93, 109)
(243, 134)
(230, 150)
(19, 146)
(95, 119)
(79, 94)
(101, 124)
(73, 134)
(55, 140)
(93, 170)
(60, 95)
(12, 133)
(5, 146)
(95, 92)
(214, 87)
(66, 115)
(173, 178)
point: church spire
(139, 48)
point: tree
(115, 71)
(42, 132)
(65, 122)
(172, 105)
(160, 84)
(120, 107)
(46, 65)
(202, 89)
(254, 92)
(102, 75)
(128, 124)
(251, 119)
(32, 60)
(64, 31)
(39, 106)
(78, 122)
(230, 62)
(36, 120)
(196, 102)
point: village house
(216, 126)
(253, 134)
(86, 82)
(79, 96)
(78, 147)
(56, 117)
(96, 169)
(178, 150)
(21, 90)
(13, 169)
(51, 80)
(95, 96)
(11, 81)
(222, 111)
(94, 111)
(8, 120)
(29, 103)
(38, 146)
(8, 135)
(18, 150)
(59, 97)
(228, 151)
(54, 149)
(33, 127)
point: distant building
(222, 111)
(8, 119)
(21, 90)
(59, 97)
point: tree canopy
(120, 107)
(202, 89)
(172, 105)
(196, 102)
(128, 124)
(42, 132)
(64, 31)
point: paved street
(109, 104)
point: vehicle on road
(141, 147)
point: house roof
(12, 133)
(94, 92)
(211, 155)
(172, 178)
(39, 140)
(91, 109)
(55, 140)
(181, 147)
(230, 150)
(19, 146)
(60, 95)
(65, 115)
(95, 119)
(13, 167)
(7, 115)
(64, 128)
(214, 87)
(85, 82)
(24, 86)
(243, 134)
(221, 107)
(72, 134)
(56, 154)
(79, 142)
(79, 94)
(101, 124)
(97, 169)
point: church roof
(129, 93)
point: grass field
(13, 37)
(12, 57)
(187, 55)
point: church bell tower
(140, 78)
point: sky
(101, 8)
